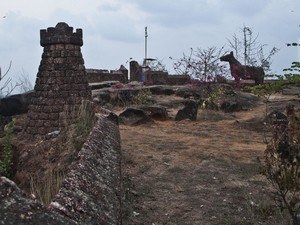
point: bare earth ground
(203, 172)
(178, 173)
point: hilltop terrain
(177, 172)
(200, 172)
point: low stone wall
(157, 77)
(97, 76)
(90, 193)
(160, 77)
(151, 77)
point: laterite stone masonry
(61, 81)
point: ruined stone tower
(61, 79)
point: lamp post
(146, 36)
(128, 73)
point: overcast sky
(113, 30)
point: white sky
(113, 30)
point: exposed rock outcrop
(18, 208)
(90, 192)
(239, 101)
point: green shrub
(211, 96)
(6, 160)
(79, 121)
(84, 123)
(143, 97)
(282, 166)
(282, 156)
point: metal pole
(128, 72)
(146, 36)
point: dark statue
(239, 71)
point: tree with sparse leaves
(7, 85)
(249, 50)
(201, 64)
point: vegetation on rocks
(143, 97)
(6, 157)
(78, 126)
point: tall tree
(249, 50)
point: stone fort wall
(91, 190)
(156, 77)
(96, 75)
(121, 75)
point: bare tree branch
(8, 86)
(201, 64)
(252, 50)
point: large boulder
(162, 90)
(132, 116)
(229, 106)
(189, 111)
(238, 101)
(188, 92)
(210, 105)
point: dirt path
(203, 172)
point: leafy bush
(6, 160)
(282, 156)
(201, 64)
(143, 97)
(211, 96)
(282, 165)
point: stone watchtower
(61, 79)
